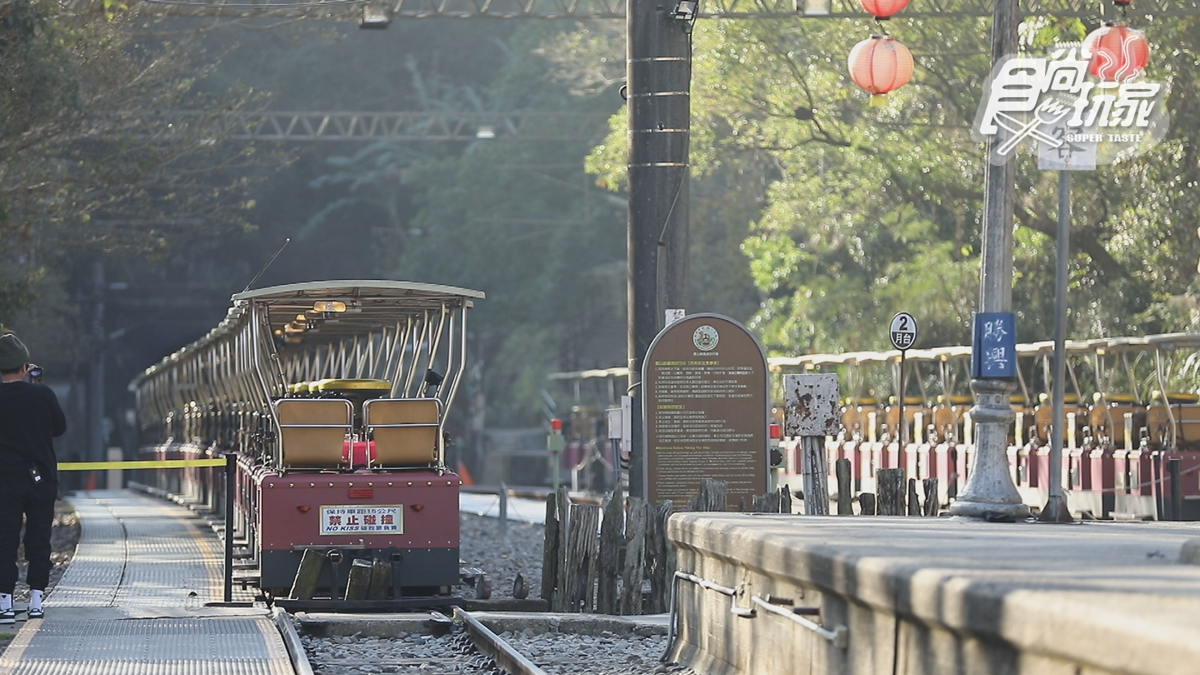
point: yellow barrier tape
(139, 464)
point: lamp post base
(989, 493)
(1055, 511)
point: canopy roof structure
(356, 307)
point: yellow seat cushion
(312, 432)
(405, 431)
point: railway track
(503, 654)
(460, 645)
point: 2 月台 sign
(903, 331)
(705, 411)
(1075, 121)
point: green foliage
(521, 221)
(876, 210)
(93, 165)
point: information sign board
(810, 405)
(705, 411)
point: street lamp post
(989, 492)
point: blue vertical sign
(994, 346)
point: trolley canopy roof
(432, 294)
(331, 311)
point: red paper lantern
(1115, 53)
(882, 9)
(879, 64)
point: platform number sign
(903, 331)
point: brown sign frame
(705, 411)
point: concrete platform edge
(1122, 632)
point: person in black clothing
(30, 418)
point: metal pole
(1055, 510)
(900, 401)
(1160, 500)
(658, 70)
(230, 487)
(989, 491)
(1176, 495)
(504, 507)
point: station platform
(520, 509)
(767, 594)
(136, 599)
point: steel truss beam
(419, 126)
(615, 9)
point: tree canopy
(97, 157)
(874, 210)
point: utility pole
(989, 491)
(658, 72)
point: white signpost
(903, 331)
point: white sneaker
(8, 617)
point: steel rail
(291, 640)
(507, 658)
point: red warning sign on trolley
(903, 331)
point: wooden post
(635, 557)
(914, 501)
(381, 575)
(712, 495)
(304, 586)
(359, 581)
(842, 469)
(932, 501)
(890, 485)
(610, 552)
(866, 504)
(816, 475)
(550, 551)
(583, 552)
(564, 571)
(660, 558)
